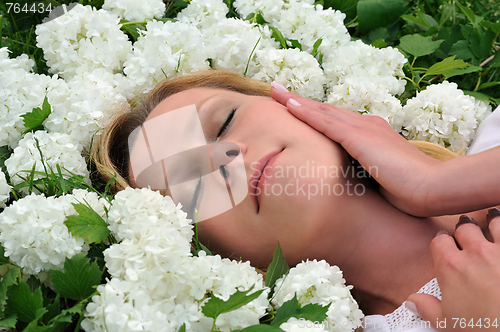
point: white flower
(307, 24)
(230, 43)
(162, 50)
(82, 40)
(83, 106)
(270, 9)
(298, 71)
(56, 148)
(33, 233)
(133, 10)
(4, 190)
(20, 92)
(442, 114)
(318, 282)
(203, 13)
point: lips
(258, 177)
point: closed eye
(226, 124)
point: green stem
(130, 23)
(77, 327)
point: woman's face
(300, 199)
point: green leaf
(9, 321)
(182, 328)
(3, 259)
(422, 20)
(78, 279)
(418, 45)
(446, 66)
(215, 306)
(488, 85)
(88, 224)
(316, 45)
(458, 72)
(477, 95)
(295, 43)
(378, 13)
(260, 328)
(347, 7)
(277, 268)
(34, 119)
(25, 305)
(468, 12)
(278, 36)
(11, 278)
(131, 29)
(461, 50)
(481, 43)
(291, 308)
(495, 27)
(450, 37)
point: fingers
(468, 233)
(282, 95)
(426, 306)
(493, 218)
(443, 247)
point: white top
(402, 319)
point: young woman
(337, 215)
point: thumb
(426, 306)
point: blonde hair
(110, 153)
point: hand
(403, 171)
(469, 280)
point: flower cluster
(157, 285)
(442, 114)
(135, 10)
(53, 148)
(82, 40)
(318, 282)
(33, 232)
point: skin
(365, 235)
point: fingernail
(465, 219)
(441, 232)
(279, 86)
(294, 102)
(492, 213)
(412, 307)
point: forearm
(464, 184)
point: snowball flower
(298, 71)
(270, 9)
(230, 43)
(162, 50)
(20, 92)
(442, 114)
(82, 40)
(318, 282)
(4, 190)
(203, 13)
(33, 233)
(135, 11)
(55, 148)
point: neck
(391, 258)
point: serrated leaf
(9, 321)
(378, 13)
(468, 12)
(495, 27)
(461, 50)
(277, 268)
(3, 259)
(418, 45)
(292, 308)
(34, 119)
(88, 224)
(11, 278)
(422, 20)
(468, 70)
(446, 66)
(481, 43)
(78, 279)
(25, 305)
(215, 306)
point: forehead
(194, 96)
